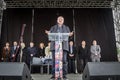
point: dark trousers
(64, 63)
(83, 63)
(71, 65)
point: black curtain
(97, 24)
(12, 24)
(45, 18)
(90, 24)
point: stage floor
(47, 77)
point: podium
(58, 38)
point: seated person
(48, 53)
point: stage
(89, 20)
(47, 77)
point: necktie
(59, 29)
(14, 47)
(71, 49)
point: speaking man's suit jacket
(65, 29)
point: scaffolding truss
(58, 3)
(114, 4)
(2, 7)
(116, 16)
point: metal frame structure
(2, 7)
(115, 4)
(116, 16)
(58, 3)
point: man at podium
(60, 28)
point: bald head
(60, 20)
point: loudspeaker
(101, 71)
(14, 71)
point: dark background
(90, 24)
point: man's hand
(47, 31)
(13, 55)
(31, 55)
(71, 55)
(2, 59)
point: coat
(65, 29)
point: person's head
(48, 43)
(94, 42)
(60, 20)
(22, 45)
(31, 44)
(41, 45)
(71, 43)
(7, 44)
(83, 43)
(15, 43)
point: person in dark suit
(24, 56)
(71, 58)
(60, 28)
(83, 54)
(41, 51)
(14, 51)
(31, 51)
